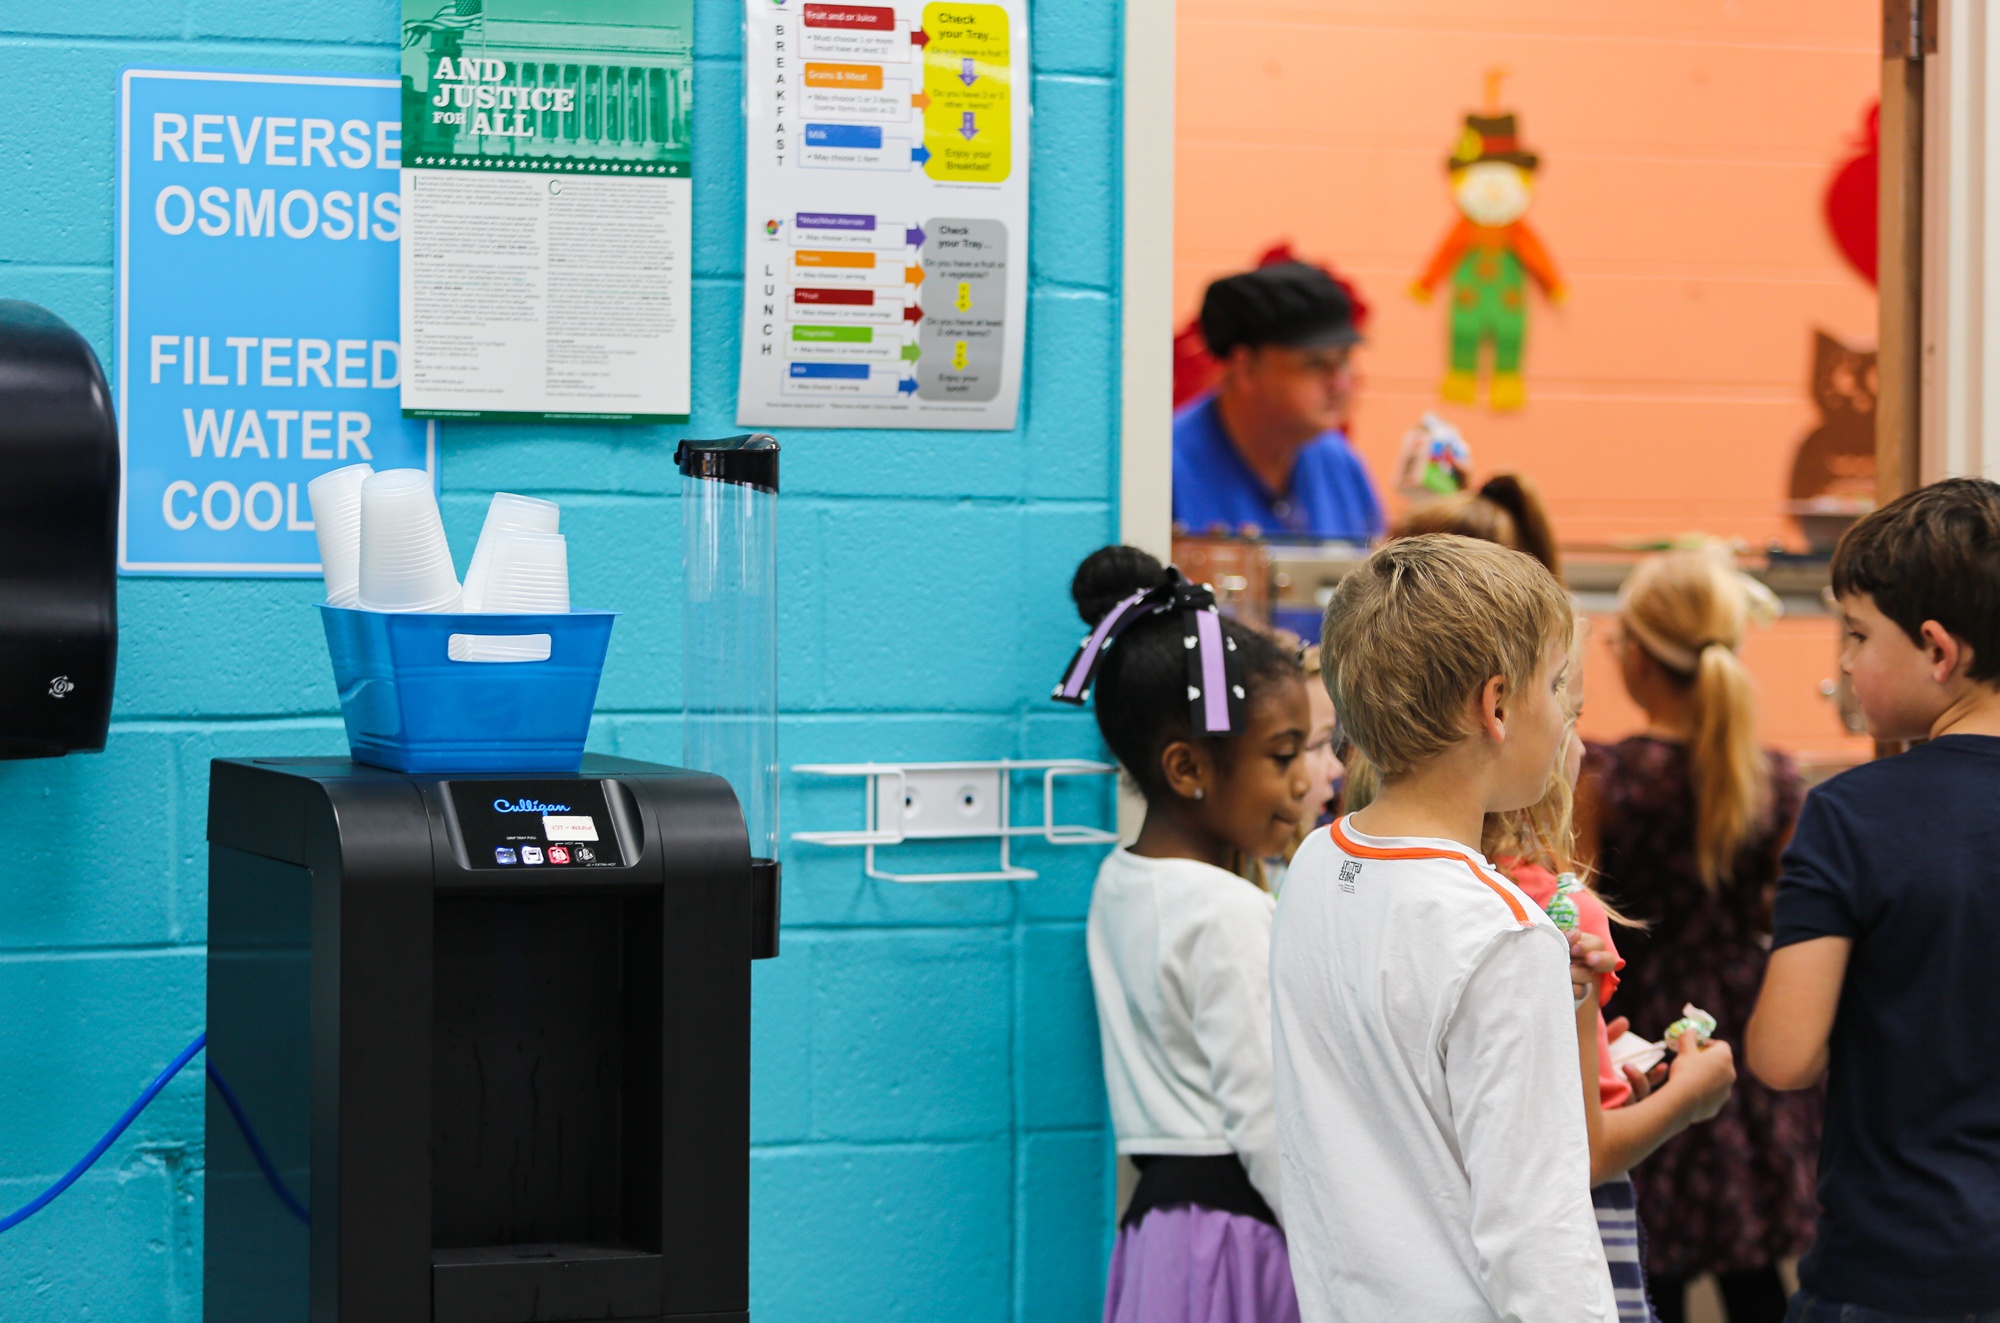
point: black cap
(1290, 304)
(750, 460)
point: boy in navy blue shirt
(1887, 935)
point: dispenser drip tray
(527, 1283)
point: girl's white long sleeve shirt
(1180, 965)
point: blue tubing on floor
(139, 1104)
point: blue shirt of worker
(1330, 496)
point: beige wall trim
(1146, 306)
(1145, 288)
(1961, 246)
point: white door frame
(1961, 242)
(1146, 284)
(1146, 318)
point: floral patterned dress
(1735, 1193)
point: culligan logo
(527, 806)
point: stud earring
(1199, 792)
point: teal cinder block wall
(930, 1136)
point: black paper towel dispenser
(59, 477)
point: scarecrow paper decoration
(1489, 255)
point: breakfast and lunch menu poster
(545, 208)
(886, 187)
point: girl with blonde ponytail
(1683, 616)
(1685, 823)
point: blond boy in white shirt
(1431, 1131)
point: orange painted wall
(1788, 660)
(1685, 152)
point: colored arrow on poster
(913, 313)
(907, 386)
(914, 236)
(964, 300)
(913, 275)
(969, 72)
(922, 101)
(919, 154)
(970, 129)
(911, 353)
(920, 38)
(958, 355)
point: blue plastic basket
(411, 708)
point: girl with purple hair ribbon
(1209, 720)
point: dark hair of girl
(1140, 690)
(1516, 494)
(1506, 509)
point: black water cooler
(493, 1031)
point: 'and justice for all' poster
(545, 207)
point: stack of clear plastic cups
(525, 514)
(405, 562)
(335, 497)
(507, 512)
(528, 574)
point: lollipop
(1695, 1018)
(1561, 909)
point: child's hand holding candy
(1706, 1070)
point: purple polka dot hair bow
(1214, 688)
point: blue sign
(259, 217)
(844, 135)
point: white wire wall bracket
(955, 801)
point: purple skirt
(1189, 1264)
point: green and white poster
(546, 198)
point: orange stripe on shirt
(1351, 846)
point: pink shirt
(1540, 885)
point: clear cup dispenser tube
(729, 641)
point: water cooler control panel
(553, 825)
